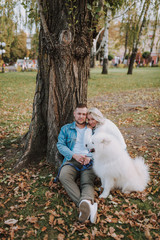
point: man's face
(80, 115)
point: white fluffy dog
(115, 167)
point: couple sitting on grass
(77, 159)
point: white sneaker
(88, 210)
(85, 210)
(93, 215)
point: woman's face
(91, 121)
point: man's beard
(81, 123)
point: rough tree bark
(64, 58)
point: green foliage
(8, 27)
(146, 55)
(110, 56)
(18, 47)
(73, 13)
(34, 46)
(10, 33)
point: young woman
(97, 122)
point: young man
(76, 163)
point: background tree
(126, 36)
(7, 25)
(147, 56)
(64, 56)
(141, 11)
(18, 46)
(155, 22)
(32, 21)
(110, 8)
(11, 24)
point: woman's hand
(86, 160)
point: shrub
(110, 57)
(146, 55)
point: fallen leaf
(147, 234)
(44, 229)
(48, 194)
(11, 222)
(45, 237)
(61, 236)
(32, 219)
(51, 219)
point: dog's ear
(106, 141)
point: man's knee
(88, 179)
(66, 174)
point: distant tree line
(12, 30)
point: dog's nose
(86, 145)
(92, 150)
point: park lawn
(118, 80)
(41, 209)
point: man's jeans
(68, 176)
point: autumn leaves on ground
(33, 207)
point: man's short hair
(81, 105)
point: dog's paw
(103, 195)
(100, 188)
(125, 191)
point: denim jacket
(66, 140)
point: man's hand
(79, 158)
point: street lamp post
(2, 51)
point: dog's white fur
(115, 167)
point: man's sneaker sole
(84, 211)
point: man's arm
(62, 146)
(64, 149)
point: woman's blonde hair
(96, 114)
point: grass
(17, 91)
(118, 80)
(42, 208)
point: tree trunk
(105, 66)
(64, 59)
(126, 44)
(105, 39)
(155, 26)
(131, 63)
(93, 61)
(139, 26)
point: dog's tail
(143, 172)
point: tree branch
(44, 25)
(123, 12)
